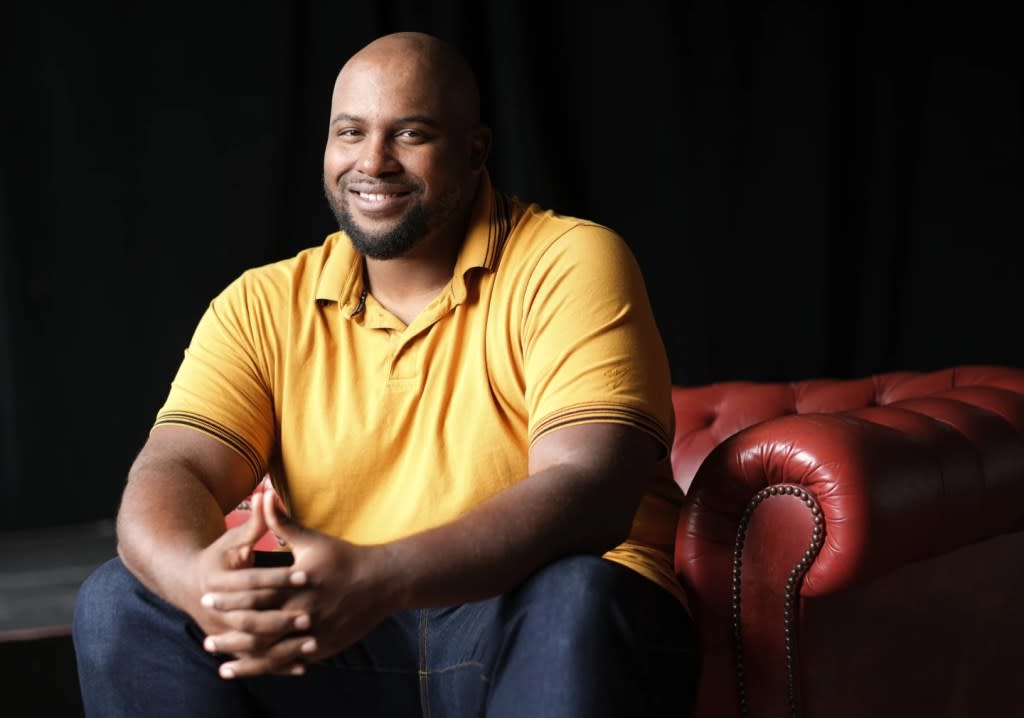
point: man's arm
(584, 486)
(171, 531)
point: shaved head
(435, 63)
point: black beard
(387, 245)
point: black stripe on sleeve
(217, 431)
(597, 413)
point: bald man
(463, 404)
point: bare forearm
(166, 517)
(494, 547)
(173, 507)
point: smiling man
(464, 405)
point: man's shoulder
(538, 228)
(543, 238)
(551, 222)
(289, 275)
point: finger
(238, 542)
(245, 643)
(253, 529)
(256, 526)
(250, 579)
(260, 598)
(285, 656)
(296, 670)
(258, 623)
(277, 518)
(236, 643)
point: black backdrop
(810, 191)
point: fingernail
(297, 578)
(298, 670)
(227, 672)
(208, 600)
(309, 646)
(302, 622)
(210, 645)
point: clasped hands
(276, 620)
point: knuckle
(243, 644)
(247, 621)
(274, 578)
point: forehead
(386, 86)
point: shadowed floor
(40, 572)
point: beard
(388, 244)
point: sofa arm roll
(809, 506)
(893, 484)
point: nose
(375, 157)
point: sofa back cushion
(707, 415)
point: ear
(480, 147)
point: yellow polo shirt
(373, 430)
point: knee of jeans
(573, 573)
(98, 604)
(579, 586)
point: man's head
(405, 147)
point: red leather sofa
(853, 547)
(856, 548)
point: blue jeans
(581, 637)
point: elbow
(612, 529)
(621, 530)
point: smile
(377, 196)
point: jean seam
(424, 672)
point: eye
(413, 136)
(346, 132)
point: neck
(405, 285)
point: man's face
(397, 165)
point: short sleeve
(221, 387)
(592, 350)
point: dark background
(811, 191)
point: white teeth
(374, 197)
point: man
(464, 406)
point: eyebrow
(406, 120)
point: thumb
(256, 526)
(278, 520)
(245, 535)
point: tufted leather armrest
(841, 491)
